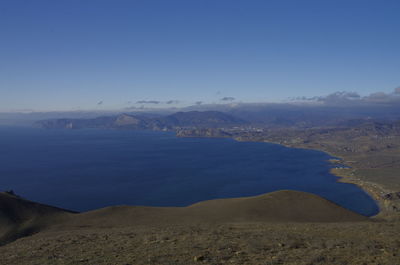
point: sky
(117, 54)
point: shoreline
(376, 191)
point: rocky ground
(241, 243)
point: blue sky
(73, 54)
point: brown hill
(19, 217)
(280, 206)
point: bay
(89, 169)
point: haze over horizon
(114, 55)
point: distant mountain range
(205, 119)
(271, 115)
(296, 118)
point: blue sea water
(88, 169)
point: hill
(280, 206)
(20, 217)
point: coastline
(386, 208)
(374, 190)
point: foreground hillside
(224, 243)
(284, 227)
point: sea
(88, 169)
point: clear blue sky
(73, 54)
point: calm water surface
(89, 169)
